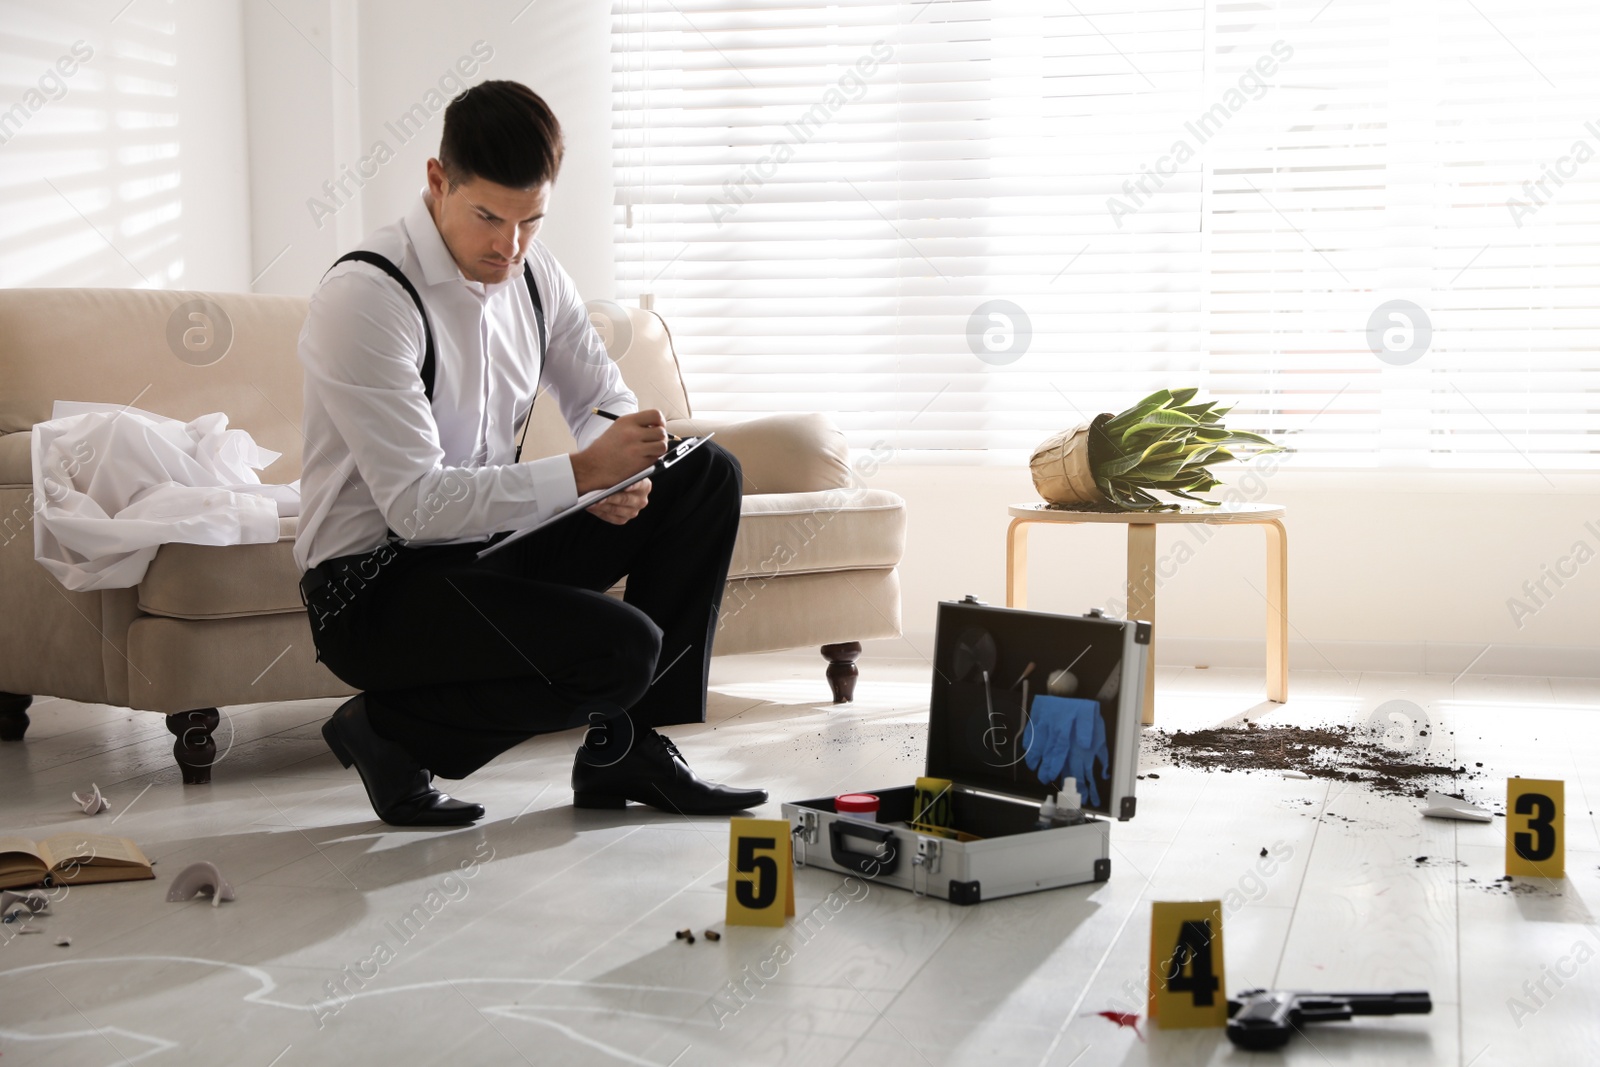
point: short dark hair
(501, 131)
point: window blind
(961, 226)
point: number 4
(1193, 952)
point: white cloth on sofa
(113, 484)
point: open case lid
(981, 735)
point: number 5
(762, 890)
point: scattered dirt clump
(1341, 753)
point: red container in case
(857, 805)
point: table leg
(1277, 611)
(1142, 601)
(1017, 564)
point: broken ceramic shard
(1440, 806)
(202, 877)
(91, 802)
(13, 905)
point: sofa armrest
(785, 453)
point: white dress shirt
(379, 458)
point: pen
(604, 414)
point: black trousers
(462, 659)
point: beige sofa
(210, 627)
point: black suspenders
(388, 267)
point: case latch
(926, 861)
(805, 833)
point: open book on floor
(71, 859)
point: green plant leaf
(1162, 448)
(1167, 443)
(1137, 412)
(1196, 499)
(1167, 417)
(1155, 472)
(1244, 437)
(1117, 465)
(1167, 423)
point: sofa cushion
(16, 459)
(121, 346)
(223, 582)
(806, 533)
(781, 453)
(779, 534)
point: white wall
(559, 48)
(130, 171)
(303, 77)
(1387, 572)
(330, 79)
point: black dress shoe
(398, 787)
(654, 772)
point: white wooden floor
(559, 948)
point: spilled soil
(1340, 753)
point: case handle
(867, 863)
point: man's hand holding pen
(630, 444)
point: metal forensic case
(977, 721)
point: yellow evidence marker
(760, 872)
(1536, 844)
(1187, 990)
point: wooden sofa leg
(842, 670)
(195, 750)
(13, 716)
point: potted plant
(1166, 442)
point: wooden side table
(1142, 576)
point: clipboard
(587, 500)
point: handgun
(1264, 1018)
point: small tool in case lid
(1023, 700)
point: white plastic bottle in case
(1069, 809)
(1047, 813)
(1061, 809)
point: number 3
(762, 890)
(1541, 843)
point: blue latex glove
(1054, 723)
(1088, 749)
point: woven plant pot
(1063, 468)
